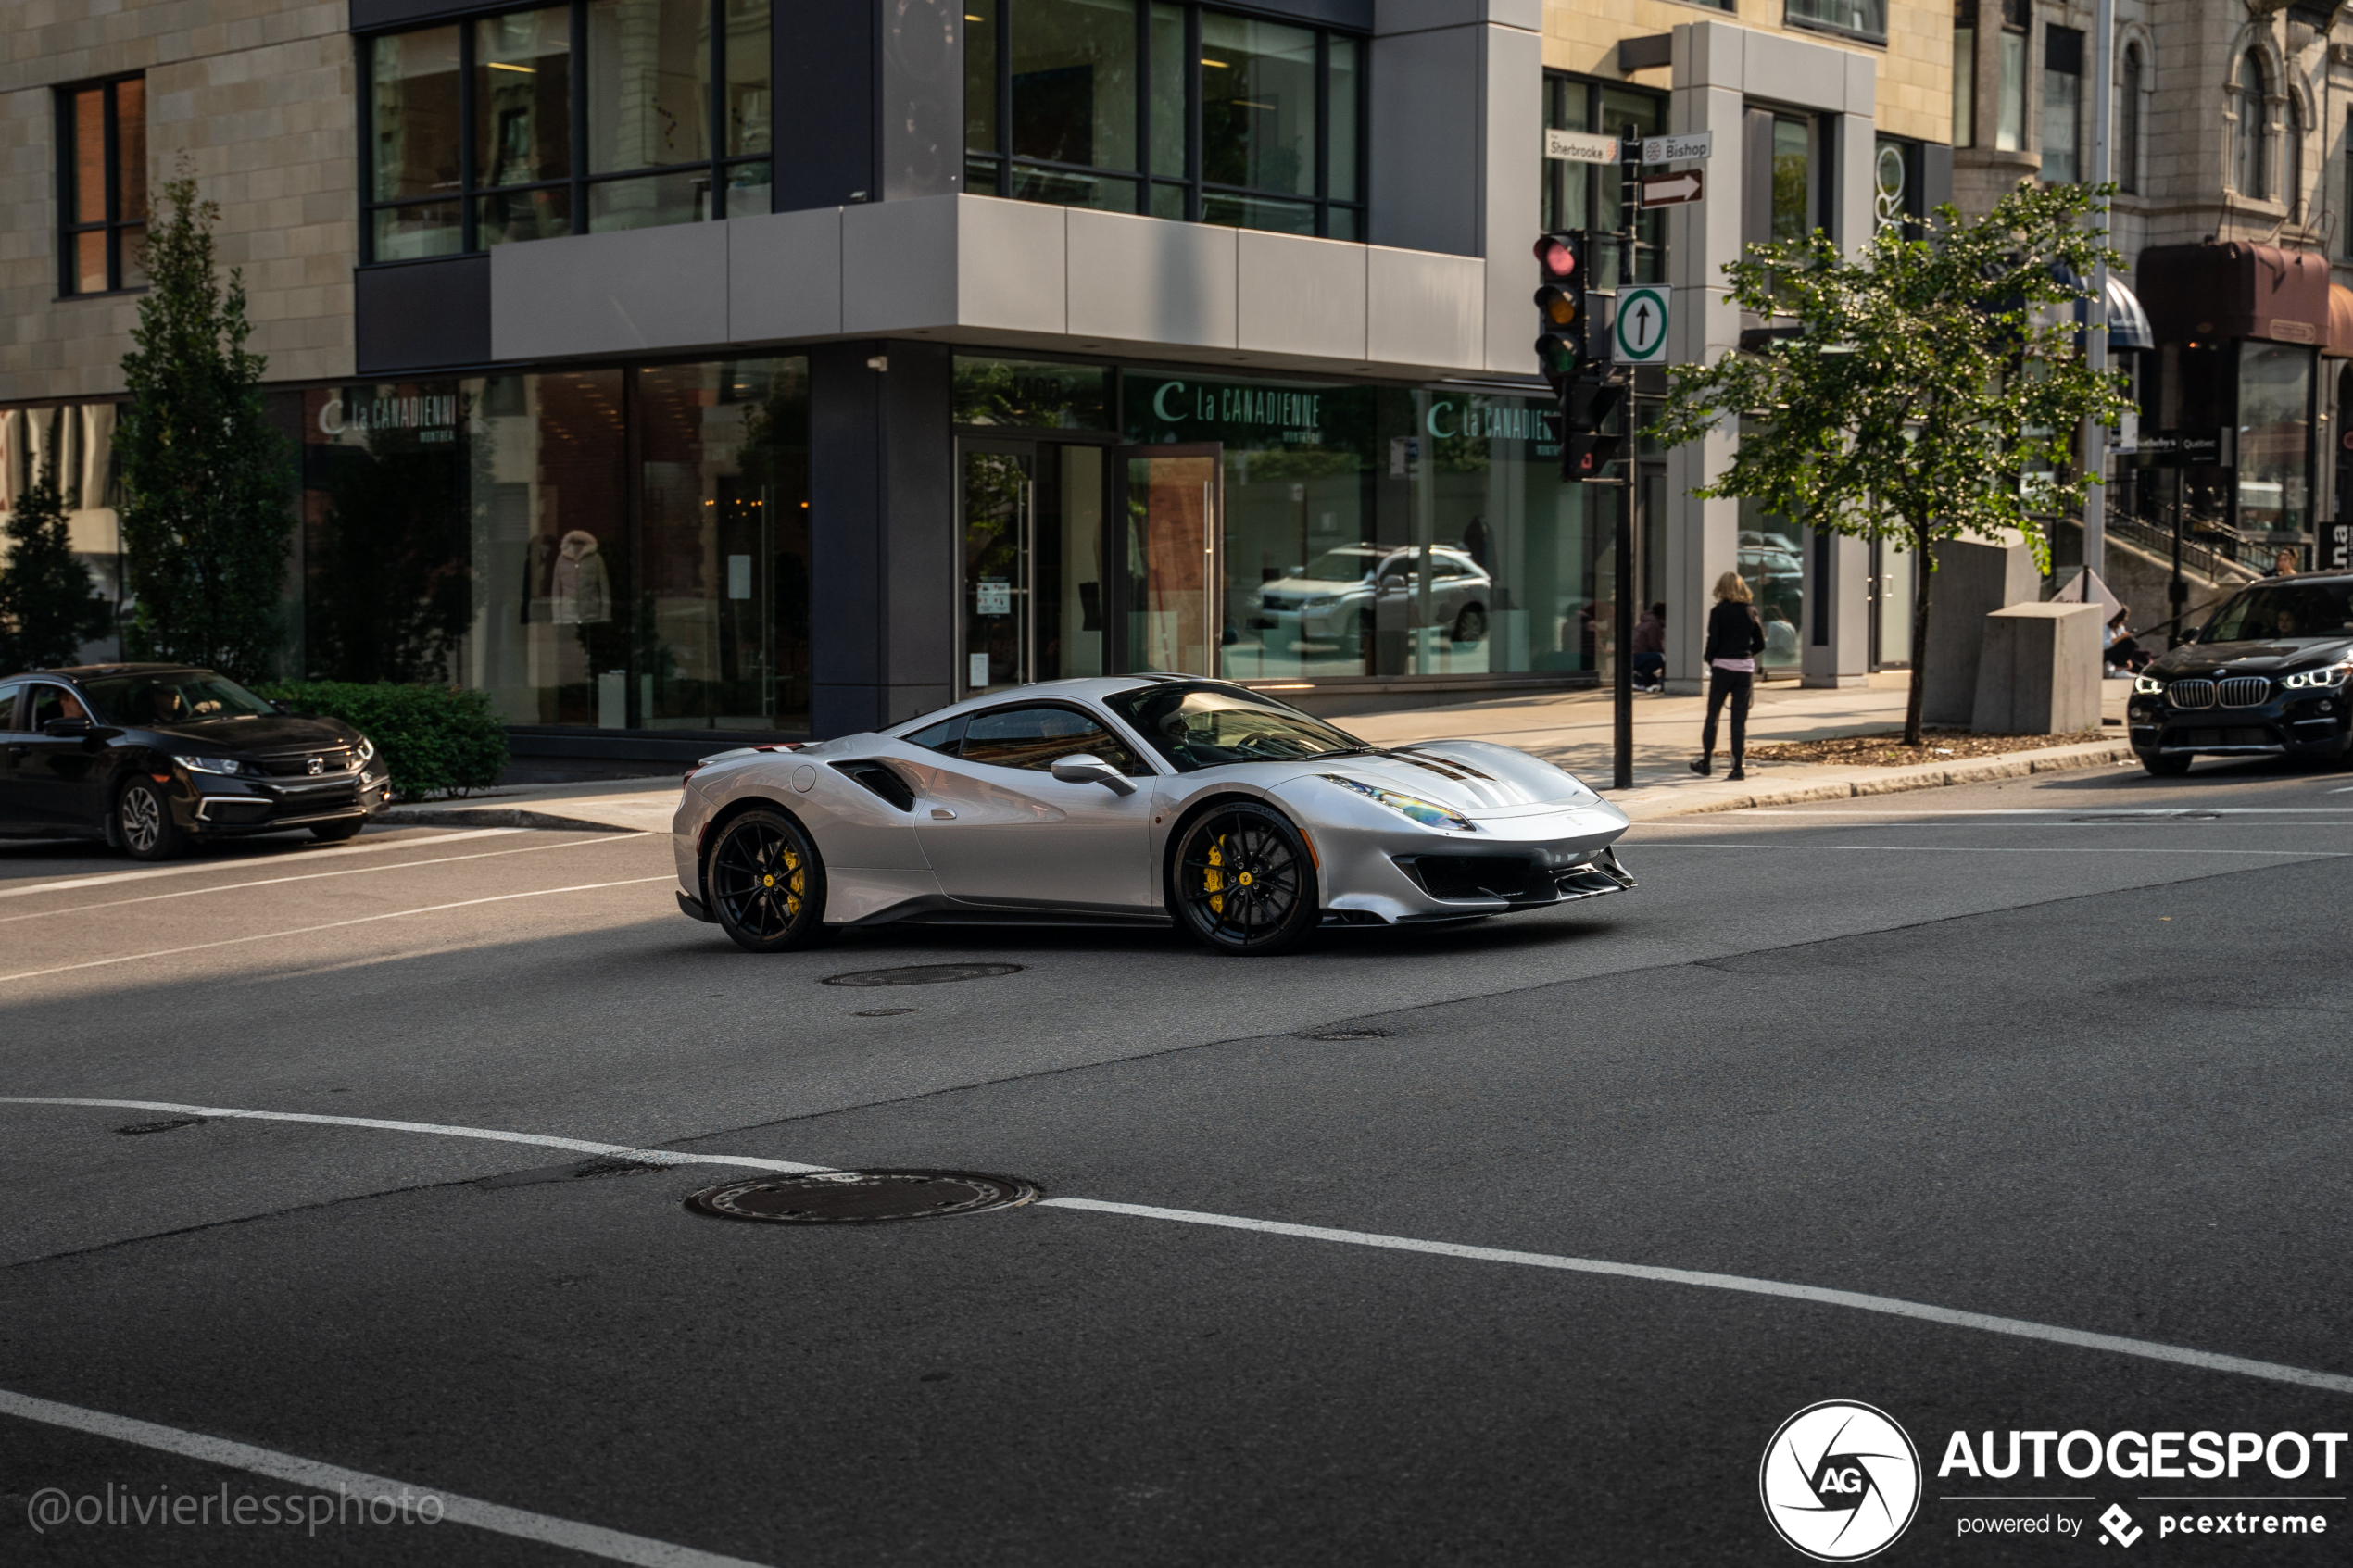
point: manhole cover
(166, 1125)
(1351, 1034)
(856, 1198)
(923, 974)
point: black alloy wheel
(142, 818)
(2166, 765)
(1242, 882)
(767, 885)
(335, 833)
(1471, 625)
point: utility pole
(2094, 442)
(1630, 211)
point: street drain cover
(857, 1198)
(923, 974)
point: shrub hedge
(438, 740)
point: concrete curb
(493, 817)
(1892, 780)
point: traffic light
(1561, 308)
(1585, 451)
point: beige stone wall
(259, 93)
(1915, 68)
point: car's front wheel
(767, 883)
(1242, 882)
(2166, 764)
(143, 821)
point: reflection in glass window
(1792, 178)
(413, 122)
(1056, 111)
(1037, 394)
(102, 167)
(1868, 18)
(2274, 436)
(2062, 104)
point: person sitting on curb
(1650, 651)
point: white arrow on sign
(1678, 149)
(1672, 190)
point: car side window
(8, 704)
(1036, 737)
(941, 736)
(49, 703)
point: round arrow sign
(1641, 328)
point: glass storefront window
(1032, 394)
(2275, 437)
(74, 446)
(492, 532)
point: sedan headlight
(2327, 678)
(2147, 685)
(215, 764)
(1422, 811)
(365, 752)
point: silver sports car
(1138, 799)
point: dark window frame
(1000, 163)
(470, 194)
(113, 224)
(1650, 244)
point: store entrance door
(1029, 590)
(1172, 501)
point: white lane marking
(439, 1129)
(2151, 814)
(192, 868)
(2013, 849)
(330, 925)
(1950, 1317)
(314, 876)
(594, 1540)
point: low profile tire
(1471, 625)
(2165, 766)
(1242, 881)
(142, 821)
(767, 883)
(335, 833)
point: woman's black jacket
(1733, 632)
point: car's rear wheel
(335, 833)
(142, 822)
(2166, 764)
(1242, 882)
(767, 883)
(1470, 627)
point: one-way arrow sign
(1673, 190)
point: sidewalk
(1572, 729)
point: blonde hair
(1733, 589)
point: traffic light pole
(1629, 209)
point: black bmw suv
(154, 758)
(2264, 676)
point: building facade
(681, 368)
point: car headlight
(365, 752)
(2328, 679)
(1316, 601)
(214, 764)
(2147, 685)
(1422, 811)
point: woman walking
(1734, 639)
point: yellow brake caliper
(1213, 879)
(796, 881)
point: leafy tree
(47, 606)
(1926, 391)
(206, 520)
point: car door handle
(942, 814)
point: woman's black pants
(1738, 684)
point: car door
(14, 815)
(999, 828)
(56, 778)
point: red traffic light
(1556, 256)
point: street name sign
(1580, 146)
(1640, 331)
(1673, 190)
(1678, 149)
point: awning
(2234, 291)
(2128, 324)
(2339, 345)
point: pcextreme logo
(1841, 1481)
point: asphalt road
(2067, 1054)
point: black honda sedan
(155, 758)
(2264, 676)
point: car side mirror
(67, 729)
(1084, 768)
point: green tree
(206, 520)
(1928, 390)
(47, 606)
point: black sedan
(2264, 677)
(155, 758)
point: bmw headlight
(1422, 811)
(2147, 685)
(2327, 678)
(214, 764)
(365, 752)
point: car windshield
(2284, 609)
(1340, 566)
(1202, 726)
(175, 696)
